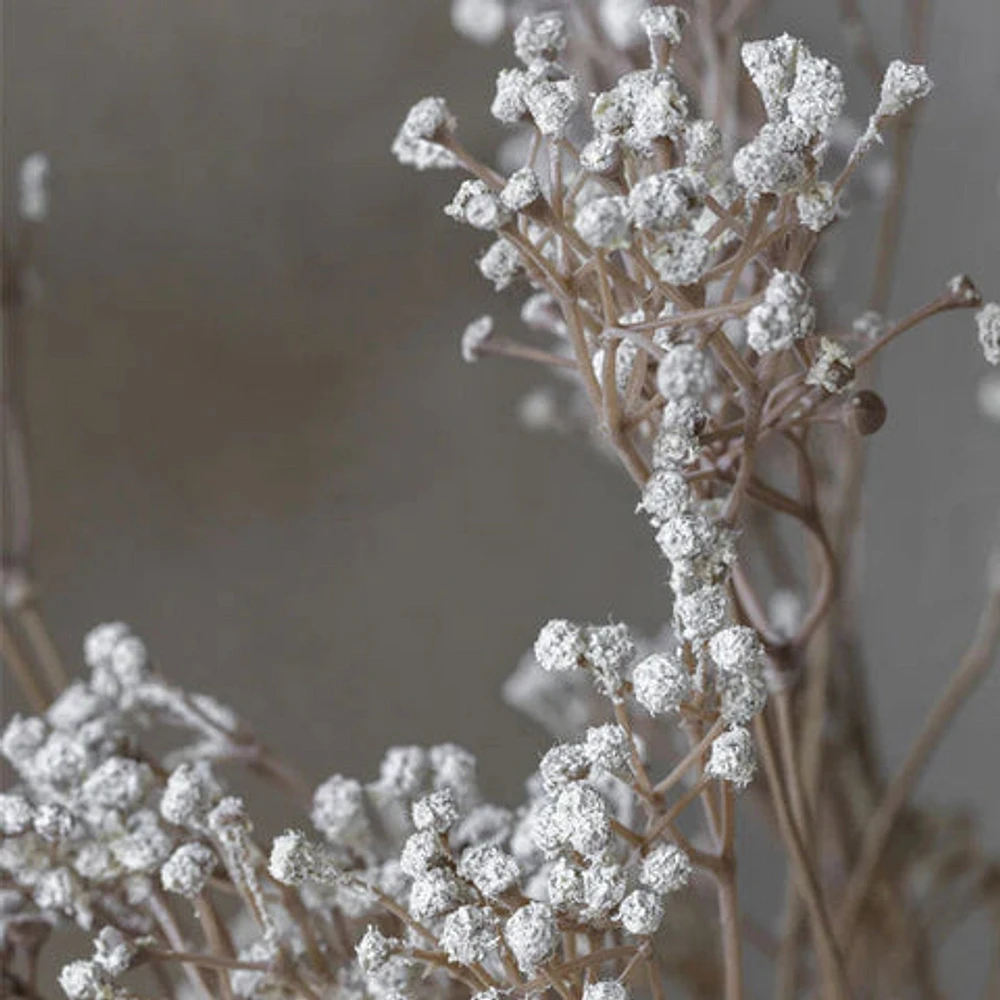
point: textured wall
(254, 438)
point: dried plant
(666, 218)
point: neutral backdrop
(254, 439)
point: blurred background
(253, 437)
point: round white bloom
(416, 142)
(84, 980)
(601, 155)
(667, 22)
(559, 645)
(604, 222)
(604, 887)
(684, 371)
(833, 369)
(736, 648)
(404, 771)
(435, 893)
(532, 935)
(665, 869)
(293, 858)
(15, 814)
(100, 642)
(659, 111)
(374, 950)
(661, 201)
(641, 912)
(551, 104)
(565, 885)
(422, 850)
(562, 764)
(190, 794)
(607, 748)
(521, 190)
(476, 204)
(113, 951)
(605, 989)
(491, 870)
(902, 85)
(437, 811)
(470, 934)
(583, 817)
(773, 162)
(477, 333)
(743, 694)
(733, 757)
(620, 20)
(500, 264)
(661, 684)
(119, 783)
(818, 95)
(188, 869)
(817, 206)
(681, 257)
(771, 65)
(33, 194)
(509, 103)
(702, 612)
(785, 315)
(338, 810)
(665, 495)
(988, 325)
(702, 144)
(540, 38)
(609, 648)
(481, 21)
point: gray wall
(254, 439)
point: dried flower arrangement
(665, 216)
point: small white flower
(702, 612)
(417, 141)
(583, 817)
(661, 684)
(664, 200)
(641, 912)
(338, 810)
(521, 190)
(500, 264)
(666, 869)
(988, 326)
(604, 887)
(601, 155)
(774, 161)
(532, 936)
(421, 851)
(374, 950)
(491, 870)
(681, 257)
(733, 758)
(818, 95)
(605, 989)
(551, 104)
(437, 812)
(667, 22)
(817, 206)
(476, 205)
(702, 144)
(833, 369)
(435, 893)
(559, 645)
(665, 495)
(607, 748)
(771, 65)
(481, 21)
(477, 333)
(188, 869)
(604, 222)
(785, 315)
(540, 38)
(470, 934)
(562, 764)
(737, 648)
(33, 196)
(902, 85)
